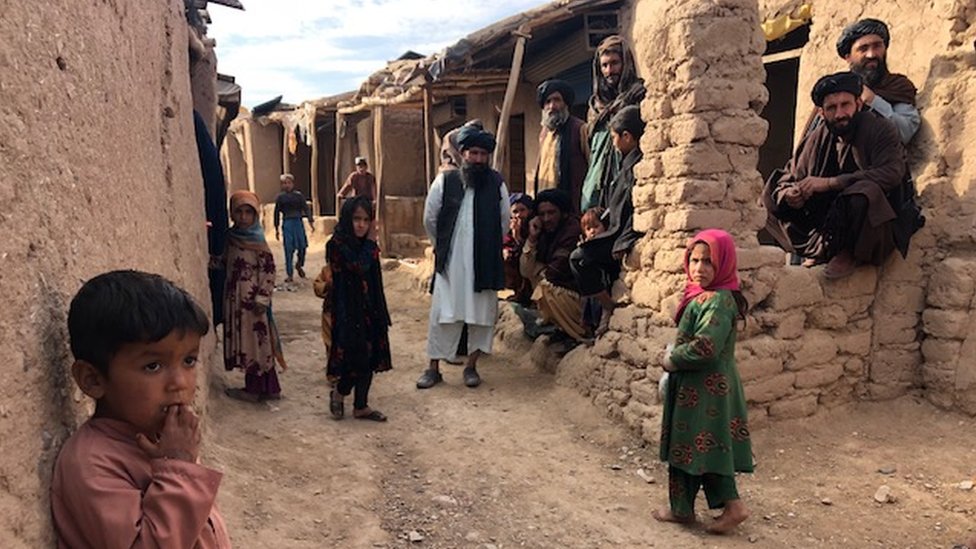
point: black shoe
(429, 379)
(471, 377)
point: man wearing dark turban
(563, 148)
(846, 196)
(615, 86)
(465, 216)
(864, 45)
(553, 235)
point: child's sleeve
(265, 281)
(711, 334)
(109, 511)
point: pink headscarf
(722, 249)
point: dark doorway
(516, 153)
(325, 140)
(780, 112)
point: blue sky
(305, 49)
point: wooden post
(378, 161)
(315, 165)
(501, 150)
(429, 144)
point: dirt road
(522, 462)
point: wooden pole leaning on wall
(501, 150)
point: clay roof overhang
(480, 61)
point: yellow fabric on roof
(779, 27)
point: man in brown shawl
(615, 86)
(864, 45)
(553, 235)
(846, 196)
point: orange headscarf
(249, 238)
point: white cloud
(304, 49)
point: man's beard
(871, 75)
(847, 129)
(554, 119)
(608, 91)
(474, 174)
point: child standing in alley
(130, 477)
(705, 435)
(360, 318)
(251, 341)
(290, 209)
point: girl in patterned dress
(705, 435)
(251, 341)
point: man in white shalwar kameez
(465, 216)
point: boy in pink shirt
(129, 476)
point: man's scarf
(489, 273)
(896, 88)
(607, 100)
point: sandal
(373, 415)
(336, 405)
(471, 377)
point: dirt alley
(523, 462)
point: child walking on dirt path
(705, 436)
(129, 476)
(251, 340)
(360, 319)
(290, 209)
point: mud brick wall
(98, 171)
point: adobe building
(100, 172)
(908, 327)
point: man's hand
(535, 229)
(515, 227)
(813, 185)
(179, 439)
(867, 95)
(311, 225)
(794, 198)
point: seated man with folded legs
(846, 197)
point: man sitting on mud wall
(846, 196)
(553, 235)
(864, 45)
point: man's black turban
(471, 136)
(833, 83)
(550, 87)
(859, 29)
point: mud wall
(98, 171)
(263, 154)
(232, 159)
(402, 147)
(932, 44)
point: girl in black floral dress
(360, 318)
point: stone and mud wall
(98, 171)
(808, 343)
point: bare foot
(665, 515)
(735, 514)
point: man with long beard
(842, 197)
(563, 149)
(465, 216)
(615, 86)
(864, 45)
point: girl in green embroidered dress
(705, 434)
